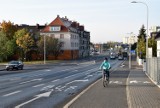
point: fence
(153, 69)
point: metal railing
(153, 69)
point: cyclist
(105, 66)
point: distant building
(74, 38)
(130, 40)
(34, 30)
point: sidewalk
(137, 91)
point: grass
(36, 62)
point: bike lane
(112, 96)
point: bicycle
(105, 78)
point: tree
(7, 46)
(9, 29)
(152, 43)
(142, 33)
(134, 46)
(141, 43)
(3, 40)
(24, 41)
(142, 48)
(53, 46)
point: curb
(127, 91)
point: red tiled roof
(56, 22)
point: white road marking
(31, 81)
(48, 70)
(59, 88)
(146, 82)
(122, 65)
(77, 81)
(117, 82)
(70, 76)
(46, 94)
(47, 87)
(88, 76)
(71, 87)
(55, 80)
(11, 93)
(38, 85)
(16, 78)
(135, 81)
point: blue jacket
(105, 65)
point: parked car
(14, 65)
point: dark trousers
(106, 72)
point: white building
(130, 40)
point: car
(120, 57)
(112, 57)
(14, 65)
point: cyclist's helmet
(106, 58)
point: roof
(57, 22)
(65, 24)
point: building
(130, 40)
(34, 30)
(154, 31)
(74, 38)
(158, 44)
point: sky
(106, 20)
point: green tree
(153, 44)
(141, 43)
(7, 46)
(3, 40)
(53, 46)
(142, 33)
(142, 48)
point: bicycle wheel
(105, 80)
(104, 83)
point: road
(48, 87)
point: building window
(72, 44)
(55, 28)
(61, 36)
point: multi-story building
(75, 40)
(154, 31)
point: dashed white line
(31, 81)
(70, 76)
(38, 85)
(11, 93)
(55, 80)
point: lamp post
(44, 49)
(129, 42)
(147, 25)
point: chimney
(37, 25)
(81, 28)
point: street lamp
(130, 42)
(147, 25)
(44, 48)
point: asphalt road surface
(50, 86)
